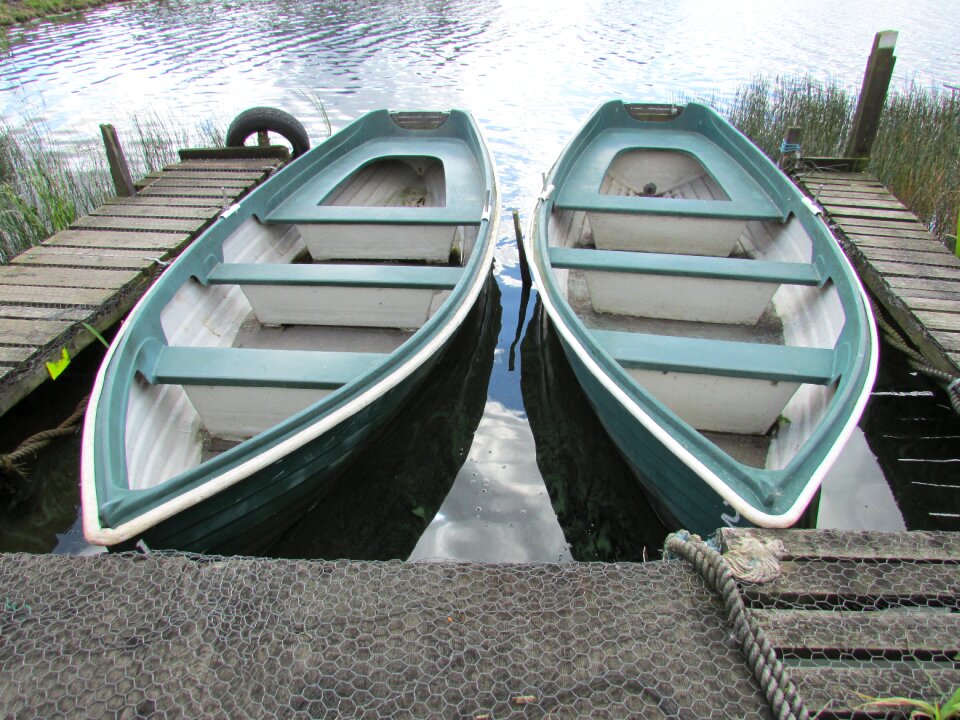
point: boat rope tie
(787, 148)
(769, 672)
(11, 474)
(916, 360)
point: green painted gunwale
(769, 491)
(117, 502)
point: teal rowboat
(709, 314)
(279, 345)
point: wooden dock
(96, 270)
(857, 614)
(914, 277)
(187, 636)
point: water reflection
(599, 502)
(384, 501)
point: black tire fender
(262, 119)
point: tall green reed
(43, 190)
(916, 153)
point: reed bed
(43, 190)
(916, 154)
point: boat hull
(252, 374)
(729, 374)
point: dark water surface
(502, 460)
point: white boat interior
(293, 312)
(722, 317)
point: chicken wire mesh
(167, 635)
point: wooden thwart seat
(718, 385)
(336, 275)
(758, 361)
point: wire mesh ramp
(184, 636)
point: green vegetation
(916, 154)
(43, 191)
(919, 709)
(14, 11)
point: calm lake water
(504, 461)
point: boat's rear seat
(239, 392)
(664, 224)
(388, 232)
(398, 296)
(682, 287)
(719, 385)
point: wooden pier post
(790, 149)
(119, 170)
(873, 95)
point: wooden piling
(119, 170)
(873, 95)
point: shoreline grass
(916, 154)
(42, 190)
(19, 11)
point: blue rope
(786, 147)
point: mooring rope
(10, 470)
(770, 673)
(916, 359)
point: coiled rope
(14, 481)
(770, 673)
(916, 360)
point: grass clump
(763, 109)
(916, 153)
(14, 11)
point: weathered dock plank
(116, 239)
(856, 614)
(95, 271)
(115, 259)
(896, 257)
(160, 211)
(107, 222)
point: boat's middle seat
(464, 195)
(239, 392)
(693, 288)
(356, 295)
(713, 384)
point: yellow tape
(57, 367)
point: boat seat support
(336, 275)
